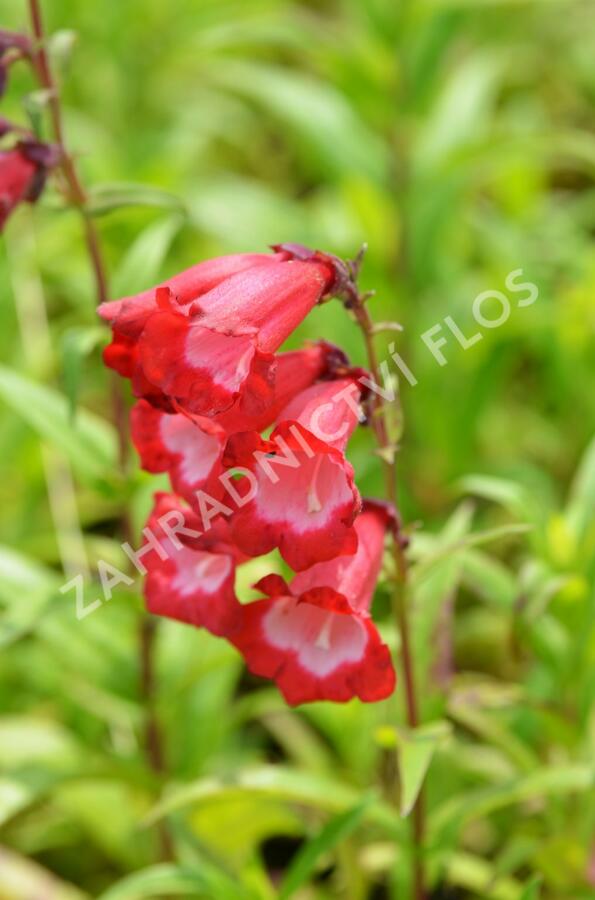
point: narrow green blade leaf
(582, 492)
(415, 751)
(282, 783)
(109, 197)
(14, 796)
(532, 890)
(304, 863)
(77, 343)
(89, 443)
(26, 588)
(544, 782)
(168, 879)
(142, 262)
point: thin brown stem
(400, 604)
(76, 196)
(76, 193)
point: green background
(455, 139)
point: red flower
(305, 500)
(315, 638)
(129, 315)
(122, 356)
(206, 342)
(22, 174)
(294, 371)
(192, 578)
(190, 448)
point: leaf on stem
(415, 749)
(108, 197)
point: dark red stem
(357, 303)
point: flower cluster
(24, 165)
(201, 353)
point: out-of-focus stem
(76, 192)
(77, 197)
(400, 604)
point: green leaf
(14, 796)
(478, 876)
(486, 725)
(582, 493)
(26, 588)
(415, 750)
(89, 443)
(160, 880)
(30, 739)
(326, 126)
(108, 197)
(77, 344)
(509, 494)
(461, 112)
(544, 782)
(234, 825)
(142, 262)
(446, 551)
(304, 863)
(34, 104)
(281, 783)
(532, 890)
(255, 214)
(490, 579)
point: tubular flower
(304, 500)
(191, 576)
(200, 351)
(23, 171)
(190, 448)
(315, 637)
(129, 315)
(206, 341)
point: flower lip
(315, 637)
(305, 502)
(191, 581)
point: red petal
(354, 576)
(130, 313)
(314, 654)
(189, 450)
(308, 512)
(272, 586)
(195, 585)
(203, 370)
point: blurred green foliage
(455, 137)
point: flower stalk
(76, 194)
(356, 302)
